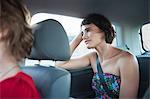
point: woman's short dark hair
(15, 28)
(102, 23)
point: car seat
(51, 43)
(144, 69)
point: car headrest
(51, 41)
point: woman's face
(92, 35)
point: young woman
(120, 77)
(16, 40)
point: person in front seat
(119, 76)
(16, 40)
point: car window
(145, 32)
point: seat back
(144, 68)
(147, 93)
(52, 83)
(51, 42)
(81, 80)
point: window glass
(146, 36)
(70, 24)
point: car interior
(52, 43)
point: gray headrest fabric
(51, 41)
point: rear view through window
(146, 36)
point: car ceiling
(136, 11)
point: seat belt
(99, 68)
(100, 71)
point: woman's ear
(3, 33)
(0, 35)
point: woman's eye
(86, 30)
(82, 33)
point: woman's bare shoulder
(127, 58)
(127, 55)
(92, 54)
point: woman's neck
(8, 64)
(103, 51)
(6, 60)
(8, 68)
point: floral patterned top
(106, 85)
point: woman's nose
(84, 35)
